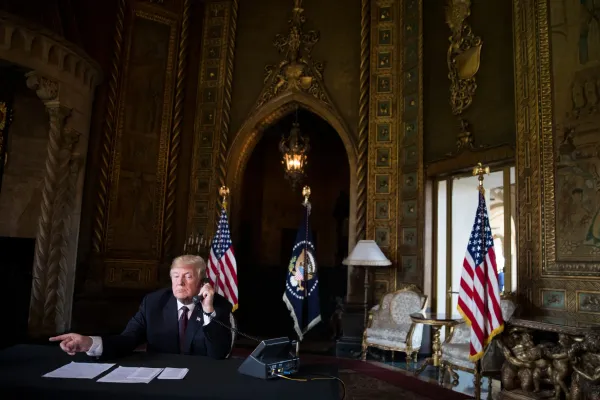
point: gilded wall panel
(382, 207)
(212, 124)
(395, 214)
(557, 54)
(410, 146)
(134, 221)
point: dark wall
(492, 114)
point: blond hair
(189, 259)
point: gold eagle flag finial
(480, 171)
(224, 193)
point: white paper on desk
(173, 373)
(131, 375)
(78, 370)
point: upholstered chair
(455, 349)
(390, 326)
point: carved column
(58, 273)
(46, 261)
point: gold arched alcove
(252, 130)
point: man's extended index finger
(61, 337)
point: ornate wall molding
(411, 183)
(463, 63)
(41, 50)
(363, 118)
(174, 147)
(384, 117)
(396, 176)
(43, 291)
(227, 91)
(99, 226)
(55, 310)
(138, 180)
(213, 107)
(541, 272)
(128, 239)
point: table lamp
(367, 254)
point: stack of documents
(118, 375)
(79, 370)
(131, 375)
(173, 373)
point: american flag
(222, 268)
(479, 264)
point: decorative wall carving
(411, 218)
(363, 118)
(463, 63)
(47, 53)
(174, 146)
(556, 152)
(43, 290)
(298, 71)
(99, 226)
(385, 115)
(395, 139)
(57, 267)
(213, 114)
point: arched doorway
(269, 218)
(245, 144)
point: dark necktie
(183, 321)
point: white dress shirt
(97, 348)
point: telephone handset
(198, 302)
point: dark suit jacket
(156, 324)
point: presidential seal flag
(301, 294)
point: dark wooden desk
(22, 367)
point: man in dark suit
(168, 321)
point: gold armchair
(390, 326)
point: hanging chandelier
(294, 151)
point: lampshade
(367, 253)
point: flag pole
(306, 194)
(480, 171)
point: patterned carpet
(365, 380)
(364, 387)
